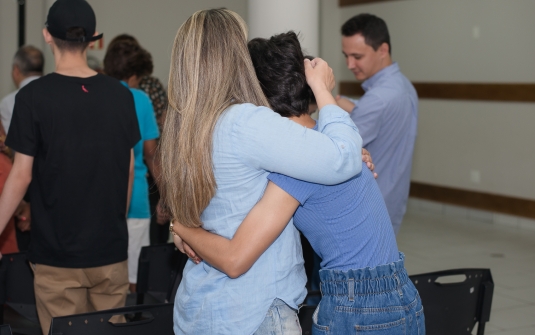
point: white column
(47, 51)
(269, 17)
(8, 44)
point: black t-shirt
(80, 132)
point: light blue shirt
(148, 128)
(387, 117)
(250, 141)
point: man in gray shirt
(387, 114)
(27, 66)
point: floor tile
(433, 241)
(519, 331)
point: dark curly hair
(122, 38)
(125, 58)
(279, 66)
(371, 27)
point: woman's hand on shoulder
(367, 158)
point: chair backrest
(16, 285)
(5, 330)
(455, 300)
(156, 319)
(305, 318)
(176, 276)
(306, 312)
(157, 269)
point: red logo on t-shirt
(84, 89)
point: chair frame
(17, 289)
(152, 277)
(444, 303)
(160, 322)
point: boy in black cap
(73, 132)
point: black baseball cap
(65, 14)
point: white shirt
(8, 103)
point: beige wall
(154, 23)
(432, 40)
(8, 44)
(460, 41)
(35, 21)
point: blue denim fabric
(280, 319)
(371, 301)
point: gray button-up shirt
(7, 104)
(387, 116)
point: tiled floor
(433, 242)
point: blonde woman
(220, 140)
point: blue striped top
(347, 224)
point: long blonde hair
(210, 70)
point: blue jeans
(280, 319)
(371, 301)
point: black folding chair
(306, 312)
(158, 269)
(156, 319)
(17, 292)
(176, 276)
(5, 330)
(455, 300)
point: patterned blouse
(3, 148)
(157, 94)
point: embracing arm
(130, 180)
(149, 153)
(259, 229)
(15, 187)
(328, 156)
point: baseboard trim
(343, 3)
(473, 199)
(505, 92)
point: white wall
(267, 18)
(8, 43)
(154, 23)
(330, 45)
(434, 41)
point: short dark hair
(279, 66)
(121, 38)
(371, 27)
(29, 60)
(125, 59)
(72, 46)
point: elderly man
(387, 114)
(27, 66)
